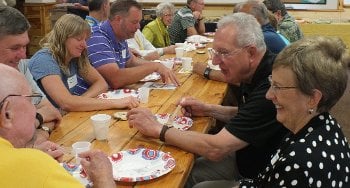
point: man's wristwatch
(207, 72)
(45, 128)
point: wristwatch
(207, 72)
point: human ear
(315, 99)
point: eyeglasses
(275, 88)
(35, 98)
(168, 15)
(214, 53)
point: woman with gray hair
(308, 78)
(157, 31)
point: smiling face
(234, 61)
(291, 104)
(167, 17)
(76, 45)
(13, 49)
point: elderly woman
(62, 70)
(308, 78)
(156, 31)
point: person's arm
(55, 88)
(200, 68)
(198, 108)
(213, 147)
(97, 84)
(138, 68)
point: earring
(311, 110)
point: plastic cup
(100, 123)
(187, 63)
(144, 94)
(179, 52)
(179, 45)
(79, 147)
(168, 64)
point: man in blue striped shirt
(108, 50)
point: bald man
(17, 117)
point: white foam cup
(100, 123)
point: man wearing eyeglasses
(188, 21)
(251, 134)
(13, 42)
(32, 167)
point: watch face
(45, 128)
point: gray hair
(162, 7)
(248, 30)
(318, 63)
(255, 8)
(12, 22)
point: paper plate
(77, 172)
(118, 94)
(141, 164)
(151, 77)
(210, 34)
(181, 122)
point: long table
(76, 126)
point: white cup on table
(187, 63)
(100, 123)
(80, 147)
(144, 94)
(179, 52)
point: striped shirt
(104, 48)
(183, 19)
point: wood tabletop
(76, 126)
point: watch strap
(162, 133)
(207, 72)
(40, 118)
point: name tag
(72, 81)
(124, 53)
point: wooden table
(76, 126)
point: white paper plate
(118, 94)
(77, 172)
(141, 164)
(181, 122)
(151, 77)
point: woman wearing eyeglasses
(62, 70)
(157, 30)
(308, 78)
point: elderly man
(13, 42)
(35, 168)
(286, 23)
(251, 134)
(188, 21)
(108, 50)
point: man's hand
(98, 168)
(168, 76)
(144, 121)
(52, 149)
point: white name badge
(124, 53)
(72, 81)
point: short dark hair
(12, 21)
(96, 5)
(122, 7)
(275, 5)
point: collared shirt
(104, 48)
(141, 44)
(157, 33)
(255, 122)
(183, 19)
(91, 21)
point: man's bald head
(12, 81)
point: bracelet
(207, 72)
(201, 19)
(40, 118)
(162, 133)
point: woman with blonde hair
(62, 70)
